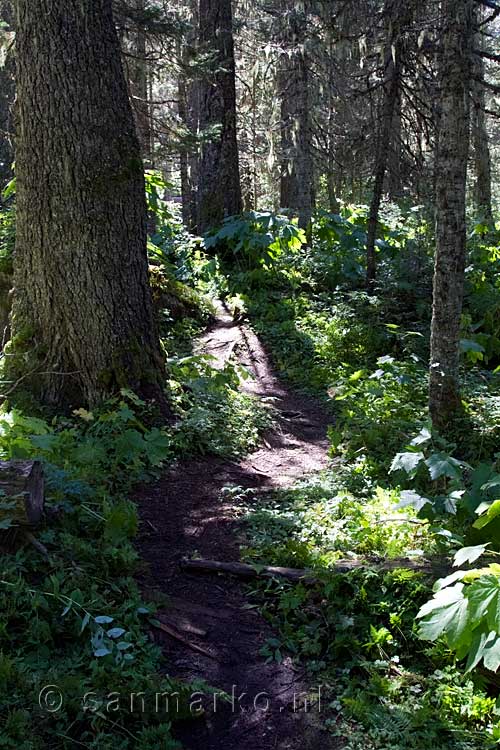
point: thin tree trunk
(297, 171)
(7, 95)
(139, 86)
(183, 147)
(396, 17)
(395, 177)
(482, 157)
(444, 393)
(83, 322)
(219, 189)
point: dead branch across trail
(298, 575)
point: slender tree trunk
(297, 171)
(139, 87)
(219, 189)
(7, 95)
(193, 119)
(456, 68)
(183, 148)
(482, 157)
(82, 321)
(396, 18)
(395, 176)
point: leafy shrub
(76, 619)
(256, 239)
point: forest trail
(218, 637)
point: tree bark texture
(219, 189)
(139, 87)
(297, 170)
(482, 156)
(455, 74)
(82, 316)
(397, 16)
(7, 96)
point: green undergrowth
(73, 617)
(356, 633)
(394, 662)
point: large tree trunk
(482, 157)
(82, 320)
(219, 189)
(444, 395)
(7, 95)
(297, 171)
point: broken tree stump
(21, 492)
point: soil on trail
(217, 636)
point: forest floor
(214, 633)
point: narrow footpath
(211, 632)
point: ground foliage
(396, 488)
(384, 641)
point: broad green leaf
(423, 437)
(413, 500)
(407, 462)
(476, 649)
(492, 483)
(484, 598)
(442, 465)
(491, 653)
(469, 555)
(467, 345)
(442, 583)
(446, 614)
(492, 513)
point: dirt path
(184, 514)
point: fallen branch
(174, 633)
(298, 575)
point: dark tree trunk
(139, 86)
(183, 154)
(7, 95)
(82, 319)
(297, 171)
(188, 116)
(397, 17)
(395, 176)
(456, 68)
(219, 189)
(482, 157)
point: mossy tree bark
(82, 318)
(456, 71)
(219, 189)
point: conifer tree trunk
(140, 89)
(444, 394)
(82, 320)
(297, 170)
(7, 95)
(396, 18)
(183, 154)
(482, 157)
(219, 189)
